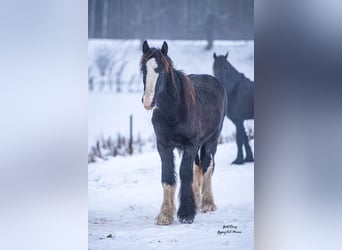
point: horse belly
(211, 121)
(241, 107)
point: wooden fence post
(130, 146)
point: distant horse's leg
(187, 209)
(249, 154)
(239, 142)
(168, 207)
(208, 203)
(197, 182)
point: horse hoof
(237, 162)
(186, 220)
(249, 159)
(208, 208)
(164, 219)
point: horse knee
(185, 173)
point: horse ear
(164, 48)
(214, 55)
(146, 48)
(226, 55)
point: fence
(112, 147)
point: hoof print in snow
(208, 208)
(110, 236)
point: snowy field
(125, 193)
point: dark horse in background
(188, 113)
(240, 93)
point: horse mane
(228, 74)
(185, 82)
(230, 68)
(188, 89)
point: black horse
(188, 113)
(240, 93)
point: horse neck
(172, 102)
(233, 78)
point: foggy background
(178, 19)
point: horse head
(220, 60)
(154, 65)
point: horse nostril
(142, 99)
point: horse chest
(171, 133)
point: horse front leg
(168, 208)
(187, 209)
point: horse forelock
(160, 58)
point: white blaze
(151, 80)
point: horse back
(208, 90)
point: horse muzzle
(149, 105)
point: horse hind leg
(249, 154)
(197, 182)
(239, 142)
(208, 203)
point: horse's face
(153, 75)
(220, 61)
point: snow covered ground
(125, 193)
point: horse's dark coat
(240, 93)
(189, 112)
